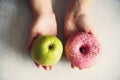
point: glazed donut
(82, 50)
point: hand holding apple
(46, 50)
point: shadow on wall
(18, 17)
(59, 7)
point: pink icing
(82, 50)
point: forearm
(41, 6)
(80, 6)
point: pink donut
(82, 50)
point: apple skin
(47, 50)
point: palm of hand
(42, 25)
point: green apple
(47, 50)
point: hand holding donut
(82, 50)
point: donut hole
(84, 49)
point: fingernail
(80, 69)
(73, 66)
(50, 67)
(46, 68)
(38, 65)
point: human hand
(45, 24)
(76, 19)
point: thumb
(31, 39)
(92, 32)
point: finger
(38, 65)
(46, 67)
(80, 69)
(84, 28)
(50, 67)
(87, 30)
(30, 41)
(69, 31)
(73, 66)
(91, 32)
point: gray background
(15, 64)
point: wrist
(80, 7)
(40, 7)
(43, 12)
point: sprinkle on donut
(82, 50)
